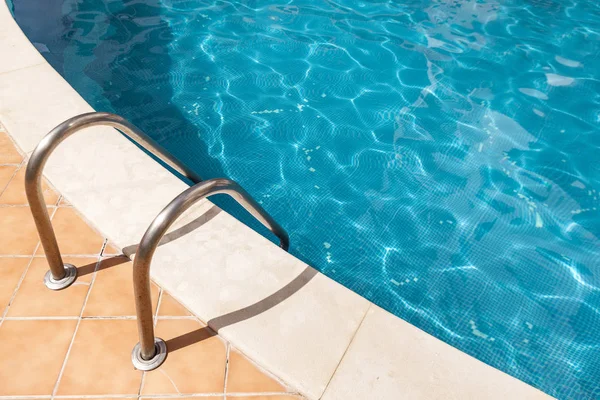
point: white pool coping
(319, 337)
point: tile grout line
(154, 322)
(226, 371)
(103, 244)
(11, 139)
(53, 208)
(39, 243)
(13, 176)
(264, 371)
(158, 303)
(68, 353)
(12, 298)
(157, 317)
(346, 351)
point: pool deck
(322, 339)
(77, 342)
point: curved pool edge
(321, 338)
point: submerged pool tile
(32, 355)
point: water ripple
(441, 158)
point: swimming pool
(438, 157)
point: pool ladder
(150, 351)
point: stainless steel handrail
(62, 275)
(150, 352)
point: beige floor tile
(8, 152)
(74, 235)
(15, 191)
(11, 270)
(245, 377)
(37, 350)
(34, 299)
(171, 307)
(18, 235)
(112, 293)
(100, 360)
(6, 174)
(195, 363)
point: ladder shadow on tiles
(218, 323)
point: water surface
(441, 158)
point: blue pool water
(441, 158)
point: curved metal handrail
(62, 275)
(150, 352)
